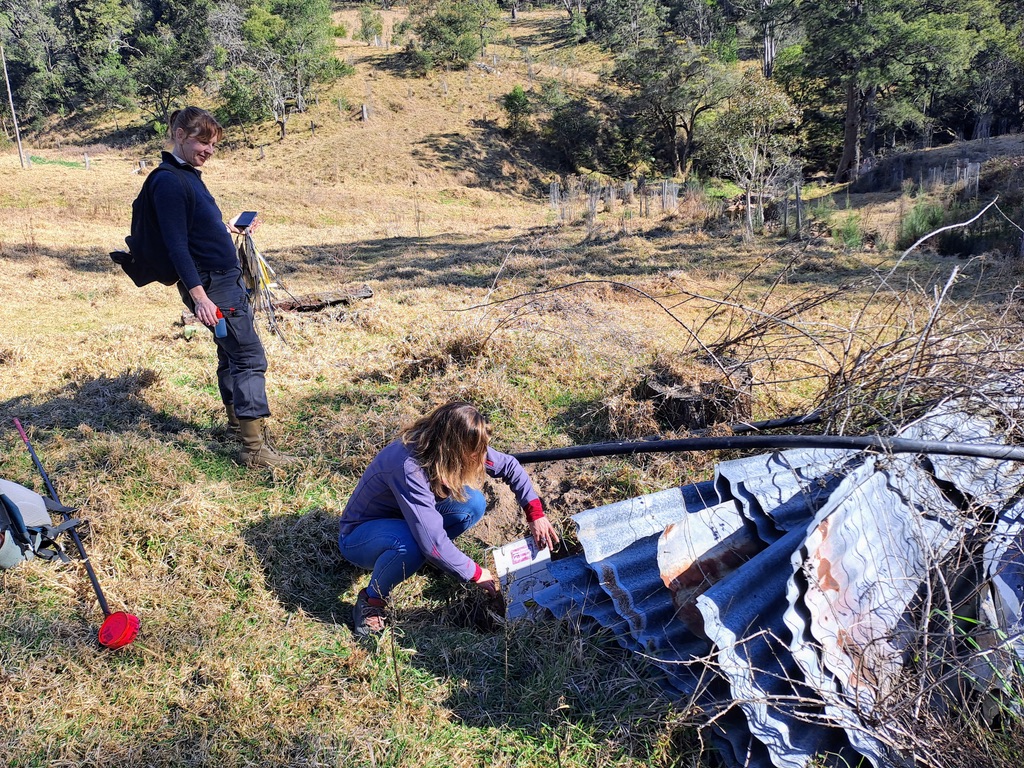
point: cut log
(311, 302)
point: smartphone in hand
(244, 220)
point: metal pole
(10, 98)
(74, 533)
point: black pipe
(74, 533)
(789, 421)
(760, 442)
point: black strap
(11, 519)
(40, 539)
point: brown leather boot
(257, 451)
(233, 423)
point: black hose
(789, 421)
(761, 442)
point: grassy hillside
(245, 655)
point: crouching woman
(417, 496)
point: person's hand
(543, 533)
(487, 582)
(256, 224)
(206, 311)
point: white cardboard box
(522, 571)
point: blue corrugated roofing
(785, 597)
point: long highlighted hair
(450, 443)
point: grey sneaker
(368, 615)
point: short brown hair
(450, 443)
(196, 122)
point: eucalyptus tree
(171, 54)
(288, 52)
(625, 26)
(99, 33)
(702, 21)
(771, 18)
(40, 62)
(670, 87)
(453, 32)
(751, 139)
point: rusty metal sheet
(620, 542)
(743, 617)
(778, 491)
(867, 555)
(605, 531)
(700, 550)
(984, 482)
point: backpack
(146, 260)
(26, 529)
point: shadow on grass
(102, 403)
(302, 565)
(79, 259)
(547, 680)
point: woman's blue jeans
(386, 547)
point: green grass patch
(36, 160)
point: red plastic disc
(119, 629)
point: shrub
(244, 97)
(848, 232)
(518, 109)
(371, 25)
(578, 27)
(924, 217)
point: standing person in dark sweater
(210, 280)
(417, 496)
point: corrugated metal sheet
(785, 597)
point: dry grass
(245, 656)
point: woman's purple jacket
(396, 486)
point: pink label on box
(520, 555)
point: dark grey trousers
(241, 361)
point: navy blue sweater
(206, 245)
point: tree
(869, 50)
(701, 21)
(625, 26)
(171, 55)
(453, 32)
(671, 86)
(98, 32)
(751, 140)
(769, 17)
(371, 25)
(518, 109)
(290, 44)
(40, 64)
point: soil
(555, 483)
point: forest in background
(752, 90)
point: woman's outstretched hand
(487, 582)
(543, 533)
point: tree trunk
(769, 40)
(673, 143)
(749, 231)
(847, 169)
(869, 111)
(983, 126)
